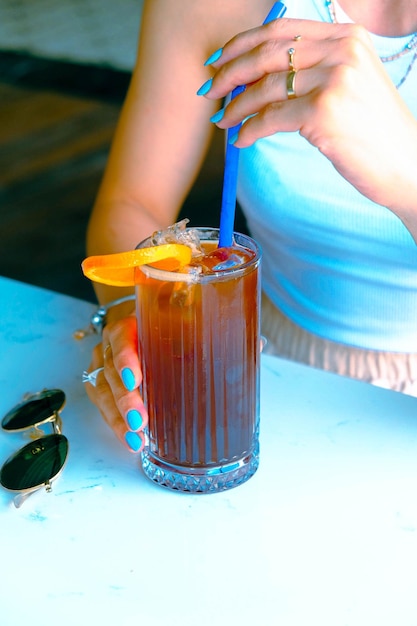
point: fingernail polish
(205, 88)
(134, 419)
(233, 139)
(214, 57)
(128, 379)
(217, 116)
(133, 441)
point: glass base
(199, 479)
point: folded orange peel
(119, 269)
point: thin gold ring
(108, 347)
(297, 38)
(291, 84)
(291, 53)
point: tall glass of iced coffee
(199, 345)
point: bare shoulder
(203, 23)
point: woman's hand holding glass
(116, 392)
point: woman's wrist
(112, 311)
(109, 312)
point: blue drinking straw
(228, 208)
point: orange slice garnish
(119, 269)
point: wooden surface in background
(53, 149)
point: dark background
(56, 123)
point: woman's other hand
(116, 393)
(346, 104)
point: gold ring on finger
(291, 53)
(291, 84)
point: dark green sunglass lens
(34, 410)
(35, 464)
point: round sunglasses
(39, 462)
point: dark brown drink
(199, 343)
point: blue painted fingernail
(128, 379)
(134, 419)
(205, 88)
(217, 116)
(214, 57)
(133, 441)
(234, 138)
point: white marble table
(325, 533)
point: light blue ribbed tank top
(334, 262)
